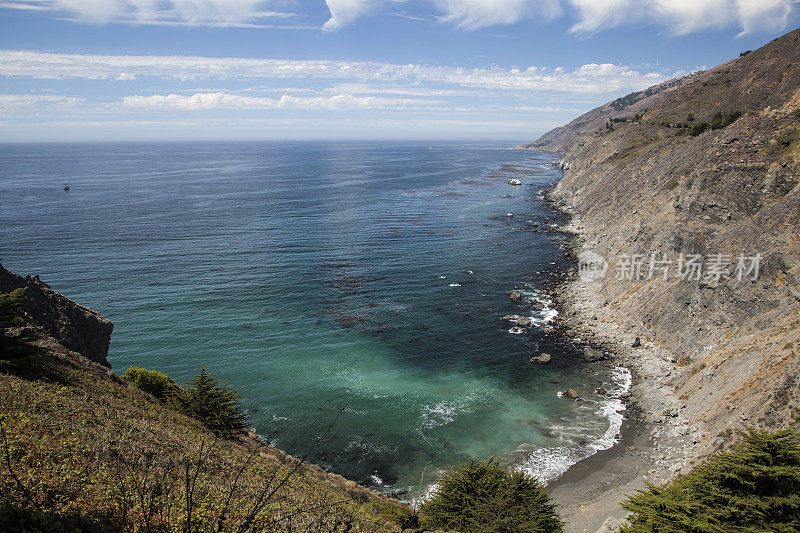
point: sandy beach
(589, 493)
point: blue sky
(349, 69)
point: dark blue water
(316, 274)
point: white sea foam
(444, 412)
(549, 463)
(454, 285)
(546, 314)
(441, 413)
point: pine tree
(212, 402)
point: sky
(75, 70)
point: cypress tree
(212, 402)
(483, 497)
(754, 487)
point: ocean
(321, 274)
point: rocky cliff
(704, 168)
(76, 327)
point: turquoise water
(316, 274)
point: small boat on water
(66, 187)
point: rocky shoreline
(694, 180)
(655, 442)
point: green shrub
(723, 120)
(212, 402)
(754, 487)
(151, 381)
(697, 129)
(14, 345)
(483, 497)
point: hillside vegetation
(83, 451)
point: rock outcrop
(570, 393)
(78, 328)
(541, 359)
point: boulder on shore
(541, 359)
(523, 321)
(516, 296)
(570, 393)
(592, 355)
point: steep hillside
(632, 105)
(83, 451)
(709, 167)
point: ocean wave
(549, 463)
(544, 315)
(444, 412)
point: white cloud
(757, 15)
(595, 14)
(23, 5)
(686, 16)
(221, 100)
(474, 14)
(548, 109)
(344, 12)
(13, 103)
(161, 12)
(683, 16)
(589, 79)
(678, 16)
